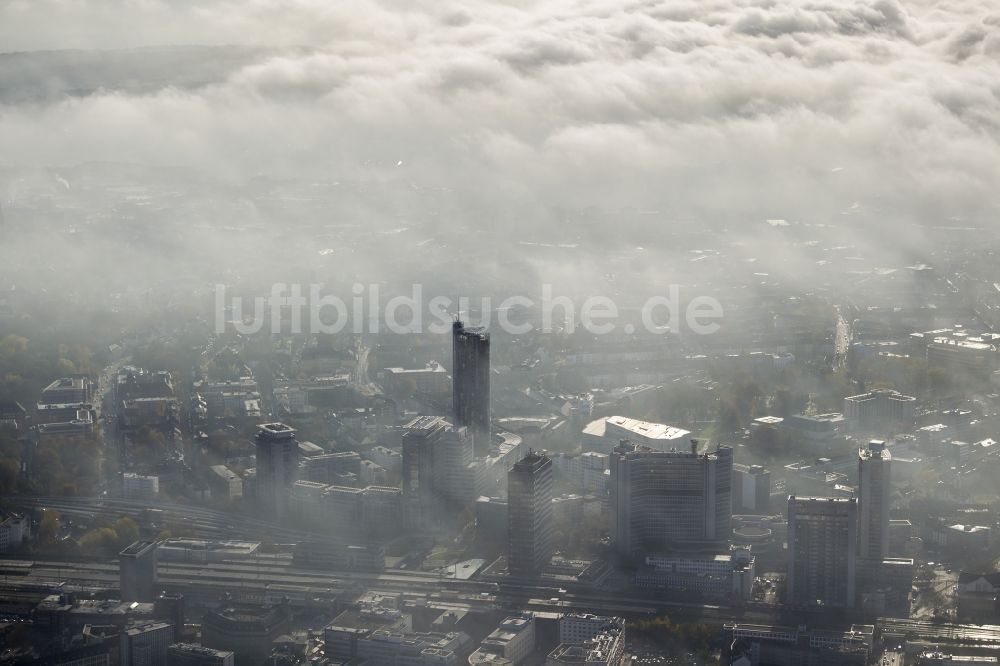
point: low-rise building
(727, 576)
(604, 434)
(15, 529)
(756, 644)
(513, 640)
(224, 483)
(203, 550)
(589, 640)
(188, 654)
(139, 486)
(602, 650)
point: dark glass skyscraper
(470, 371)
(874, 498)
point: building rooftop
(191, 648)
(643, 429)
(138, 548)
(276, 430)
(876, 449)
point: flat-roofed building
(145, 644)
(513, 641)
(669, 500)
(204, 550)
(224, 482)
(189, 654)
(822, 551)
(874, 500)
(433, 379)
(471, 406)
(529, 502)
(751, 490)
(881, 409)
(137, 572)
(797, 646)
(140, 486)
(66, 390)
(604, 434)
(248, 631)
(277, 468)
(728, 576)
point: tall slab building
(529, 500)
(822, 547)
(277, 468)
(874, 498)
(470, 370)
(664, 501)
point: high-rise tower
(277, 467)
(669, 500)
(529, 501)
(470, 388)
(822, 551)
(874, 495)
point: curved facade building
(664, 501)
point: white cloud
(720, 106)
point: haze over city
(499, 332)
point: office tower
(470, 387)
(751, 490)
(437, 469)
(874, 495)
(418, 443)
(170, 608)
(187, 654)
(277, 468)
(529, 499)
(822, 543)
(669, 500)
(454, 478)
(145, 644)
(137, 572)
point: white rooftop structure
(605, 433)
